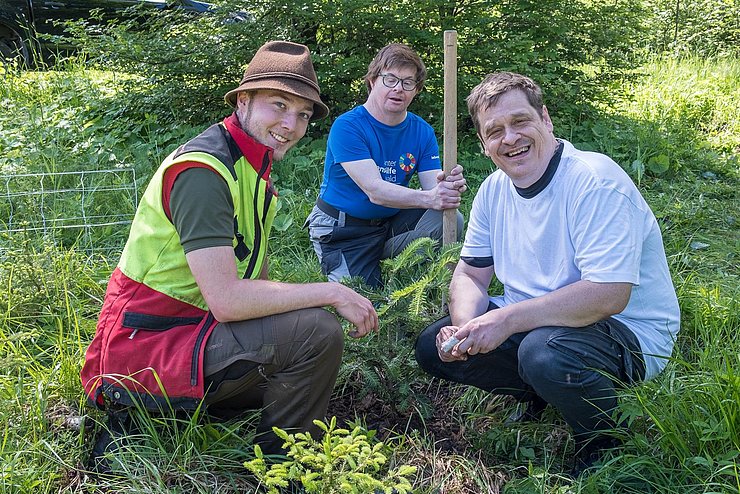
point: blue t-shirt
(399, 151)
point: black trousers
(577, 370)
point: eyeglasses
(391, 81)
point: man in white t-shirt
(588, 302)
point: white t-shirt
(589, 223)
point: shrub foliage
(185, 65)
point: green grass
(674, 117)
(685, 424)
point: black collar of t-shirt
(544, 180)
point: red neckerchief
(250, 148)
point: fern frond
(405, 291)
(420, 299)
(414, 253)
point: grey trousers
(347, 249)
(287, 364)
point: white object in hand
(449, 344)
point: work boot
(108, 440)
(589, 453)
(530, 411)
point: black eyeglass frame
(403, 82)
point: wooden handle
(449, 218)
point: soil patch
(385, 417)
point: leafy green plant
(416, 280)
(342, 461)
(708, 27)
(180, 67)
(176, 65)
(668, 104)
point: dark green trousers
(286, 364)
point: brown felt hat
(282, 66)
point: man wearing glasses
(366, 210)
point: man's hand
(449, 189)
(479, 335)
(483, 333)
(445, 334)
(357, 310)
(455, 178)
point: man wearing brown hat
(189, 313)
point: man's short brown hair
(396, 55)
(487, 93)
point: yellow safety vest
(159, 261)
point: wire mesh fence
(88, 210)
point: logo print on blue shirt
(407, 162)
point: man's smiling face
(517, 138)
(274, 118)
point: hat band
(281, 75)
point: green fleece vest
(153, 254)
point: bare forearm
(575, 305)
(437, 191)
(397, 196)
(468, 297)
(231, 298)
(251, 299)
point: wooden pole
(449, 218)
